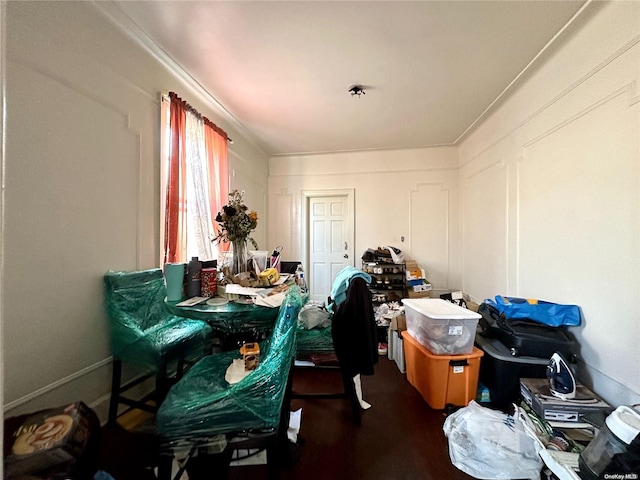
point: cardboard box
(251, 355)
(411, 264)
(536, 394)
(50, 438)
(473, 306)
(415, 274)
(424, 294)
(399, 323)
(396, 349)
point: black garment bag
(526, 338)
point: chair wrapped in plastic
(204, 409)
(146, 335)
(313, 341)
(314, 331)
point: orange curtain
(175, 240)
(218, 167)
(175, 219)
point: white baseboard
(91, 385)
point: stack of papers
(272, 301)
(564, 465)
(190, 302)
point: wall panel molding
(627, 89)
(487, 233)
(126, 117)
(368, 172)
(118, 18)
(282, 232)
(482, 171)
(562, 94)
(75, 86)
(430, 211)
(58, 384)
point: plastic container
(396, 349)
(300, 280)
(608, 455)
(441, 326)
(501, 372)
(442, 380)
(174, 280)
(261, 257)
(194, 281)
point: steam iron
(562, 383)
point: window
(194, 181)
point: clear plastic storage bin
(442, 327)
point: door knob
(346, 256)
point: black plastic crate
(501, 372)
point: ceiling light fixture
(356, 90)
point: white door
(330, 240)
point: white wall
(408, 193)
(545, 203)
(82, 196)
(550, 189)
(2, 84)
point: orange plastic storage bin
(442, 379)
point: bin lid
(440, 309)
(624, 423)
(498, 350)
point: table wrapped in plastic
(202, 404)
(232, 318)
(143, 330)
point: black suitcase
(527, 337)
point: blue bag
(547, 313)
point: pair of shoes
(383, 348)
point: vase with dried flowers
(235, 224)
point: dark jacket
(353, 329)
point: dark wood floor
(400, 436)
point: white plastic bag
(492, 445)
(314, 315)
(396, 254)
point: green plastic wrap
(143, 331)
(315, 340)
(202, 404)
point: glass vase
(239, 257)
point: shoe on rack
(383, 348)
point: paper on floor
(248, 457)
(256, 457)
(364, 405)
(295, 419)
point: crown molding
(125, 24)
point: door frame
(307, 195)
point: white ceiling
(431, 69)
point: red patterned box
(209, 282)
